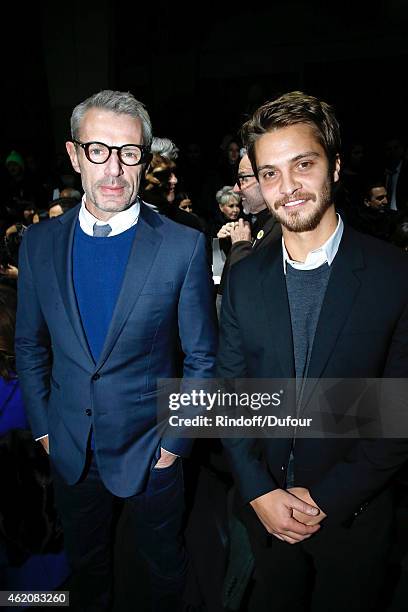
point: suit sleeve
(351, 484)
(239, 250)
(32, 345)
(197, 329)
(250, 473)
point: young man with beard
(325, 503)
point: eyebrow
(294, 159)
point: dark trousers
(87, 510)
(341, 568)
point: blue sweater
(99, 266)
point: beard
(300, 220)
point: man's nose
(113, 166)
(288, 184)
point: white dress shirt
(316, 258)
(120, 222)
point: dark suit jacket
(271, 232)
(362, 332)
(166, 294)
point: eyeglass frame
(243, 176)
(146, 156)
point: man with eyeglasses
(260, 231)
(106, 293)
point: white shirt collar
(119, 223)
(316, 258)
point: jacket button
(96, 377)
(88, 412)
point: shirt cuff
(170, 453)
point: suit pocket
(164, 495)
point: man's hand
(276, 510)
(241, 230)
(225, 230)
(166, 459)
(9, 271)
(304, 494)
(45, 444)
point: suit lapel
(63, 241)
(342, 290)
(277, 309)
(142, 255)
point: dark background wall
(201, 71)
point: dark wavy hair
(290, 109)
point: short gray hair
(224, 194)
(165, 148)
(119, 102)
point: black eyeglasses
(129, 154)
(244, 180)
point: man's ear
(337, 165)
(73, 156)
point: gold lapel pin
(260, 234)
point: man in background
(248, 236)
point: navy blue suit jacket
(362, 332)
(166, 295)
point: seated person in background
(229, 203)
(61, 205)
(9, 247)
(28, 214)
(159, 184)
(374, 216)
(21, 191)
(70, 192)
(183, 201)
(40, 215)
(262, 227)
